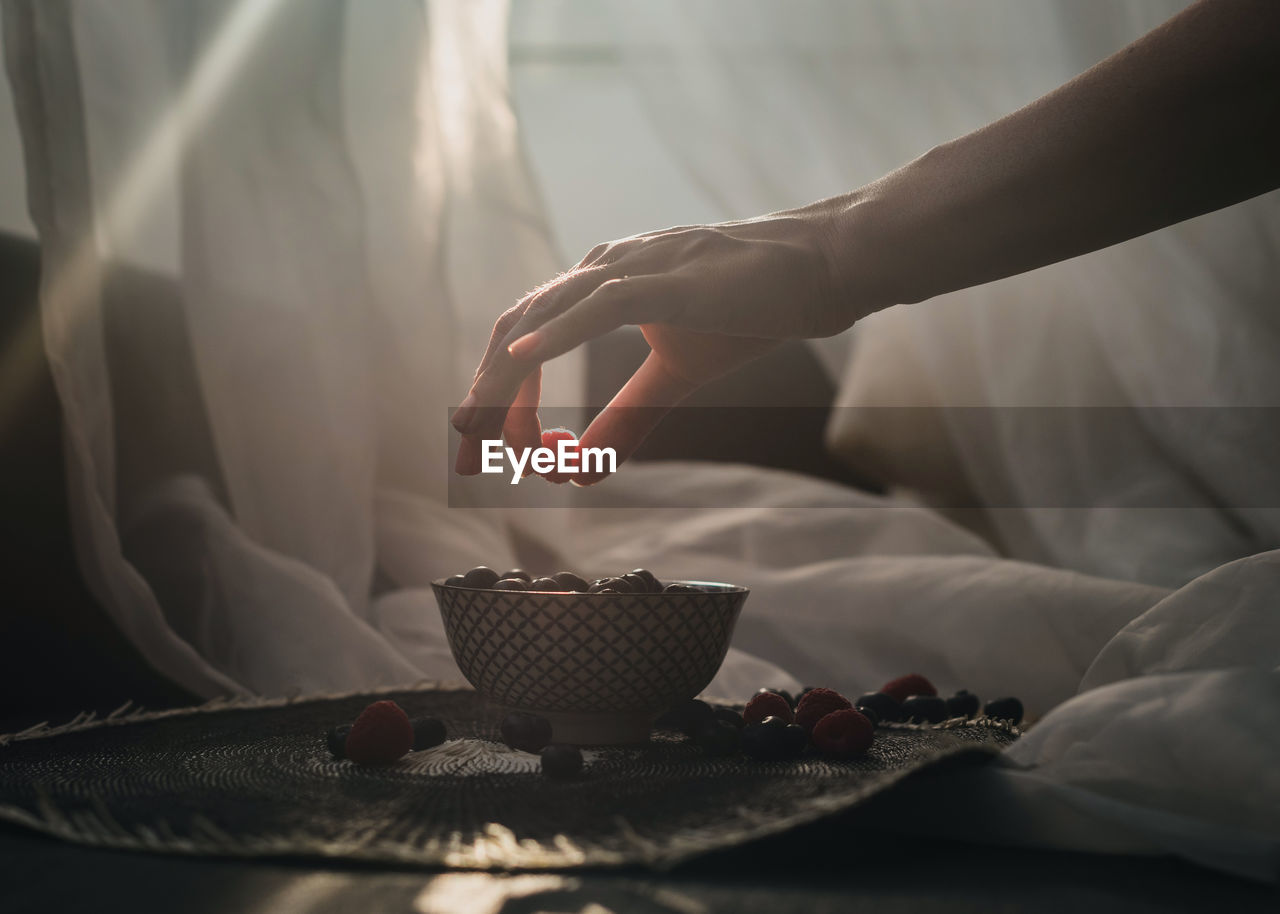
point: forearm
(1184, 121)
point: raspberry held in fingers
(551, 439)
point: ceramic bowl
(599, 666)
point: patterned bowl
(599, 666)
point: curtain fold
(328, 204)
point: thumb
(650, 394)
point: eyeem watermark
(565, 460)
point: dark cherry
(637, 583)
(336, 740)
(962, 704)
(480, 576)
(1009, 709)
(526, 732)
(720, 738)
(427, 732)
(885, 706)
(567, 580)
(655, 586)
(560, 761)
(730, 716)
(924, 709)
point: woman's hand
(707, 298)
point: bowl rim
(721, 589)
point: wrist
(865, 235)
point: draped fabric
(334, 195)
(275, 235)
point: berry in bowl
(599, 659)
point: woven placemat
(257, 780)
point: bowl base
(596, 729)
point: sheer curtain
(335, 193)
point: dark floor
(829, 868)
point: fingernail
(525, 347)
(466, 411)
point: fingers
(626, 300)
(483, 412)
(652, 392)
(523, 428)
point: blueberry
(654, 585)
(526, 732)
(480, 576)
(560, 761)
(678, 587)
(962, 704)
(1009, 709)
(688, 717)
(427, 732)
(510, 584)
(544, 585)
(336, 740)
(621, 585)
(773, 739)
(794, 740)
(720, 739)
(567, 580)
(637, 583)
(730, 716)
(456, 580)
(519, 573)
(885, 706)
(600, 584)
(783, 692)
(927, 709)
(870, 714)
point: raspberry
(381, 734)
(550, 439)
(767, 704)
(904, 687)
(817, 704)
(843, 734)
